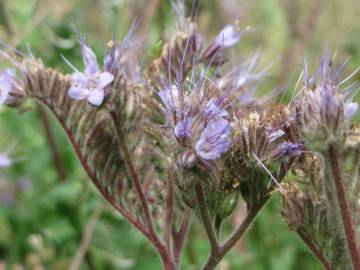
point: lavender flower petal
(350, 109)
(96, 97)
(287, 149)
(273, 135)
(213, 111)
(78, 92)
(89, 59)
(169, 97)
(227, 37)
(183, 129)
(7, 82)
(104, 79)
(79, 78)
(214, 139)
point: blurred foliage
(43, 219)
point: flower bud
(229, 204)
(326, 111)
(187, 159)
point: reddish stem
(349, 229)
(169, 210)
(180, 236)
(164, 252)
(92, 175)
(132, 170)
(317, 252)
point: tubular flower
(91, 83)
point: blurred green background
(45, 216)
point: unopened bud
(187, 159)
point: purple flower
(213, 111)
(90, 84)
(227, 37)
(170, 98)
(112, 58)
(183, 129)
(187, 159)
(274, 134)
(287, 149)
(350, 109)
(7, 84)
(5, 161)
(214, 139)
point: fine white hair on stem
(12, 49)
(68, 62)
(269, 173)
(179, 9)
(349, 77)
(296, 93)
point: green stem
(215, 258)
(206, 219)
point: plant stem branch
(315, 250)
(215, 258)
(180, 236)
(206, 219)
(169, 210)
(132, 170)
(162, 249)
(92, 175)
(349, 229)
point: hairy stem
(169, 210)
(315, 250)
(92, 175)
(215, 258)
(206, 219)
(161, 247)
(180, 236)
(132, 170)
(348, 225)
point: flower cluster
(200, 112)
(199, 122)
(227, 143)
(326, 109)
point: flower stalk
(348, 225)
(315, 250)
(216, 257)
(206, 219)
